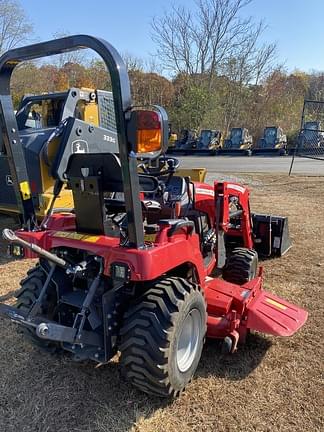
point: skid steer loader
(209, 142)
(146, 264)
(274, 141)
(238, 143)
(37, 119)
(186, 142)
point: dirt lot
(271, 384)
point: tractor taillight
(148, 134)
(147, 120)
(147, 131)
(148, 140)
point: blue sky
(295, 25)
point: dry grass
(272, 384)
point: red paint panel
(270, 314)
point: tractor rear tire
(163, 336)
(241, 266)
(26, 296)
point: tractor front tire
(26, 296)
(163, 336)
(241, 266)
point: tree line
(212, 69)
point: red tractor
(147, 263)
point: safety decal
(275, 303)
(76, 236)
(204, 191)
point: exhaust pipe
(11, 237)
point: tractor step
(270, 314)
(74, 298)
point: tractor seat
(106, 166)
(91, 176)
(176, 191)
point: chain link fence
(310, 139)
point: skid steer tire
(241, 266)
(26, 296)
(162, 337)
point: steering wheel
(166, 165)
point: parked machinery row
(238, 142)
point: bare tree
(218, 51)
(132, 62)
(15, 27)
(246, 66)
(316, 86)
(205, 39)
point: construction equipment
(310, 140)
(239, 143)
(185, 143)
(208, 142)
(273, 141)
(173, 138)
(38, 118)
(146, 264)
(311, 136)
(195, 174)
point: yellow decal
(275, 303)
(76, 236)
(25, 190)
(150, 238)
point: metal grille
(107, 116)
(310, 140)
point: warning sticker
(150, 238)
(275, 303)
(76, 236)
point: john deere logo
(9, 181)
(80, 146)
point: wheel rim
(188, 341)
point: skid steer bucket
(270, 314)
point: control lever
(171, 170)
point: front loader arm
(224, 191)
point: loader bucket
(195, 174)
(270, 314)
(271, 235)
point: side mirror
(148, 131)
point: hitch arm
(11, 237)
(85, 310)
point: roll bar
(122, 105)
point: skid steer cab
(38, 119)
(148, 262)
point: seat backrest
(106, 166)
(89, 176)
